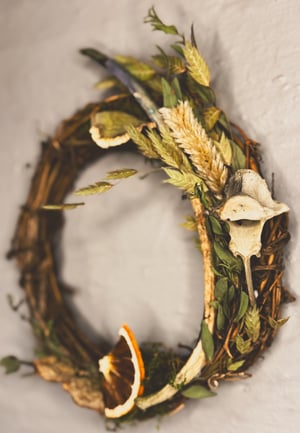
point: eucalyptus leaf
(197, 391)
(11, 364)
(207, 341)
(227, 257)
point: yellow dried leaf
(64, 206)
(225, 149)
(54, 370)
(84, 393)
(211, 116)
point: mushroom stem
(249, 281)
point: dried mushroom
(248, 206)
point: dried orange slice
(123, 372)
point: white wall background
(252, 48)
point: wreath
(168, 114)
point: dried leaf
(197, 66)
(211, 116)
(185, 181)
(197, 391)
(238, 157)
(52, 369)
(96, 188)
(169, 97)
(224, 147)
(121, 173)
(84, 393)
(244, 302)
(64, 206)
(220, 318)
(190, 223)
(11, 364)
(276, 324)
(137, 69)
(107, 83)
(234, 366)
(207, 341)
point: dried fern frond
(191, 136)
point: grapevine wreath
(168, 114)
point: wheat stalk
(191, 136)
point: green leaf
(224, 147)
(234, 366)
(220, 318)
(276, 324)
(197, 66)
(197, 391)
(173, 65)
(207, 341)
(64, 206)
(221, 288)
(243, 346)
(157, 24)
(169, 96)
(215, 225)
(123, 173)
(238, 157)
(252, 324)
(11, 364)
(244, 302)
(96, 188)
(137, 69)
(108, 83)
(227, 257)
(190, 223)
(211, 116)
(185, 181)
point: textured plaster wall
(126, 251)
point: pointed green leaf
(221, 288)
(244, 302)
(64, 206)
(238, 157)
(10, 363)
(169, 97)
(207, 341)
(215, 225)
(107, 83)
(220, 318)
(234, 366)
(227, 257)
(96, 188)
(197, 391)
(123, 173)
